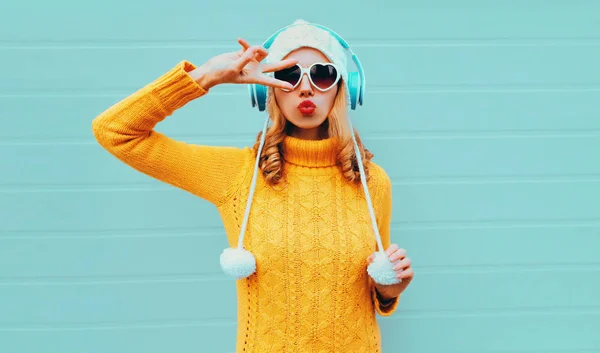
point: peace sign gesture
(243, 66)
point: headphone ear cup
(261, 96)
(353, 88)
(361, 92)
(251, 90)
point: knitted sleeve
(383, 209)
(126, 130)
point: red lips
(307, 107)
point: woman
(309, 228)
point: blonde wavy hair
(272, 157)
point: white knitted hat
(303, 34)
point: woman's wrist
(385, 298)
(202, 77)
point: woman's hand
(243, 66)
(404, 271)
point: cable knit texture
(310, 235)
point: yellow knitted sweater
(311, 236)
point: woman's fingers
(260, 53)
(403, 264)
(253, 53)
(255, 76)
(280, 65)
(245, 58)
(245, 45)
(273, 82)
(391, 249)
(408, 274)
(397, 255)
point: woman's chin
(308, 122)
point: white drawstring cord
(363, 180)
(253, 185)
(239, 262)
(381, 269)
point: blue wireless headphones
(355, 84)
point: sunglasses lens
(290, 75)
(323, 76)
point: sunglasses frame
(306, 70)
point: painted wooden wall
(486, 115)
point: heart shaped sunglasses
(323, 76)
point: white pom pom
(239, 263)
(382, 270)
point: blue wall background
(486, 115)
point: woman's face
(307, 123)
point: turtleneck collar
(310, 153)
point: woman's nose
(305, 88)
